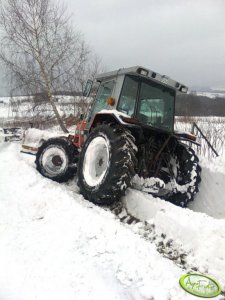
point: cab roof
(145, 73)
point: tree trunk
(59, 119)
(50, 98)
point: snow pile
(217, 165)
(201, 237)
(199, 234)
(211, 198)
(55, 245)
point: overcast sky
(184, 39)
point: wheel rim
(54, 160)
(96, 161)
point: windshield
(156, 106)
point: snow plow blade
(29, 149)
(33, 138)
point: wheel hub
(56, 160)
(101, 161)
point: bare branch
(41, 50)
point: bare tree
(40, 48)
(87, 70)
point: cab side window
(156, 106)
(105, 90)
(128, 96)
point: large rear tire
(56, 159)
(107, 164)
(187, 176)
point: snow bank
(55, 245)
(211, 198)
(198, 234)
(216, 165)
(198, 230)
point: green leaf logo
(200, 285)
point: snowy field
(56, 245)
(212, 94)
(212, 128)
(24, 107)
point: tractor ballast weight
(127, 139)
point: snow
(213, 129)
(211, 95)
(151, 185)
(56, 245)
(201, 236)
(115, 112)
(23, 106)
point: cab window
(156, 106)
(105, 90)
(128, 96)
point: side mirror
(87, 89)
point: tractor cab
(138, 93)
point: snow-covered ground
(213, 129)
(56, 245)
(211, 95)
(23, 106)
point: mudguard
(112, 116)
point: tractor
(127, 139)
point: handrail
(194, 125)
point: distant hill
(200, 105)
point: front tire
(56, 159)
(107, 164)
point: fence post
(194, 125)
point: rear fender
(186, 137)
(113, 117)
